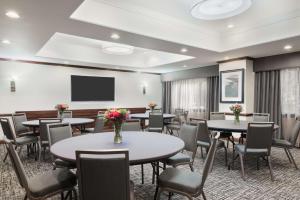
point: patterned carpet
(221, 183)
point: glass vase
(118, 136)
(237, 118)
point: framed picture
(232, 86)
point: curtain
(290, 100)
(166, 97)
(190, 95)
(267, 95)
(212, 94)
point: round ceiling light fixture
(219, 9)
(117, 49)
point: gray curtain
(212, 94)
(166, 97)
(267, 95)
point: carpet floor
(222, 184)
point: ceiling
(73, 31)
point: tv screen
(89, 88)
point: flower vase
(237, 118)
(61, 115)
(118, 136)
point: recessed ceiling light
(183, 50)
(115, 36)
(12, 14)
(288, 47)
(230, 26)
(118, 49)
(6, 41)
(219, 9)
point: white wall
(41, 87)
(248, 105)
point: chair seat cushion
(26, 140)
(241, 148)
(281, 143)
(177, 159)
(51, 182)
(155, 129)
(61, 163)
(174, 126)
(207, 144)
(26, 133)
(88, 130)
(181, 180)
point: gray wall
(201, 72)
(277, 62)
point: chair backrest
(103, 174)
(259, 136)
(209, 160)
(132, 125)
(217, 116)
(7, 130)
(188, 134)
(99, 124)
(156, 120)
(295, 133)
(100, 113)
(66, 114)
(43, 127)
(261, 117)
(17, 165)
(58, 132)
(18, 119)
(203, 134)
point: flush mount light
(183, 50)
(12, 14)
(230, 26)
(117, 49)
(115, 36)
(219, 9)
(5, 41)
(288, 47)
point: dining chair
(99, 125)
(156, 122)
(48, 184)
(132, 125)
(258, 143)
(104, 175)
(289, 143)
(43, 139)
(19, 142)
(261, 117)
(188, 134)
(56, 133)
(20, 129)
(204, 138)
(223, 134)
(189, 184)
(66, 114)
(175, 123)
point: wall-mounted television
(91, 88)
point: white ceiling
(48, 31)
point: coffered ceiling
(74, 31)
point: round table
(143, 147)
(230, 126)
(72, 121)
(146, 116)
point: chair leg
(203, 195)
(5, 157)
(62, 196)
(226, 160)
(287, 154)
(75, 194)
(242, 166)
(153, 173)
(142, 169)
(270, 167)
(159, 191)
(156, 190)
(201, 152)
(191, 166)
(292, 158)
(25, 197)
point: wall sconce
(144, 86)
(13, 84)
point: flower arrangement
(236, 109)
(61, 108)
(152, 105)
(116, 117)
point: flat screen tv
(90, 88)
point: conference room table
(143, 147)
(82, 122)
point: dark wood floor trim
(73, 66)
(235, 59)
